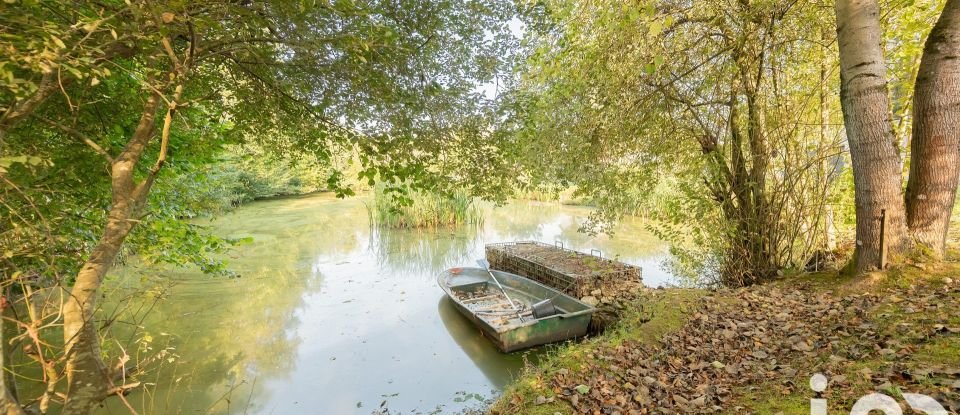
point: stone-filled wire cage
(573, 272)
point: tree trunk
(866, 115)
(831, 229)
(829, 164)
(86, 372)
(935, 147)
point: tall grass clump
(407, 209)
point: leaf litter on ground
(775, 338)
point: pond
(329, 316)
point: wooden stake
(883, 238)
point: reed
(427, 210)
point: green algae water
(329, 316)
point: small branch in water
(226, 396)
(250, 396)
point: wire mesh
(573, 272)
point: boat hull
(519, 333)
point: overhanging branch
(77, 135)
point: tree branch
(165, 133)
(77, 135)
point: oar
(486, 265)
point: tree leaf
(58, 42)
(655, 28)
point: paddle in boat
(514, 312)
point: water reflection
(424, 252)
(330, 316)
(480, 350)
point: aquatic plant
(402, 208)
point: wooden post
(883, 238)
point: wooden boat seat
(470, 286)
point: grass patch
(899, 277)
(778, 403)
(944, 351)
(401, 208)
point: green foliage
(176, 242)
(255, 99)
(32, 45)
(399, 207)
(905, 27)
(282, 98)
(249, 172)
(720, 121)
(553, 193)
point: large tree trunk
(866, 115)
(86, 372)
(935, 147)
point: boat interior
(486, 301)
(480, 295)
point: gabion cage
(573, 272)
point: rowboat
(514, 326)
